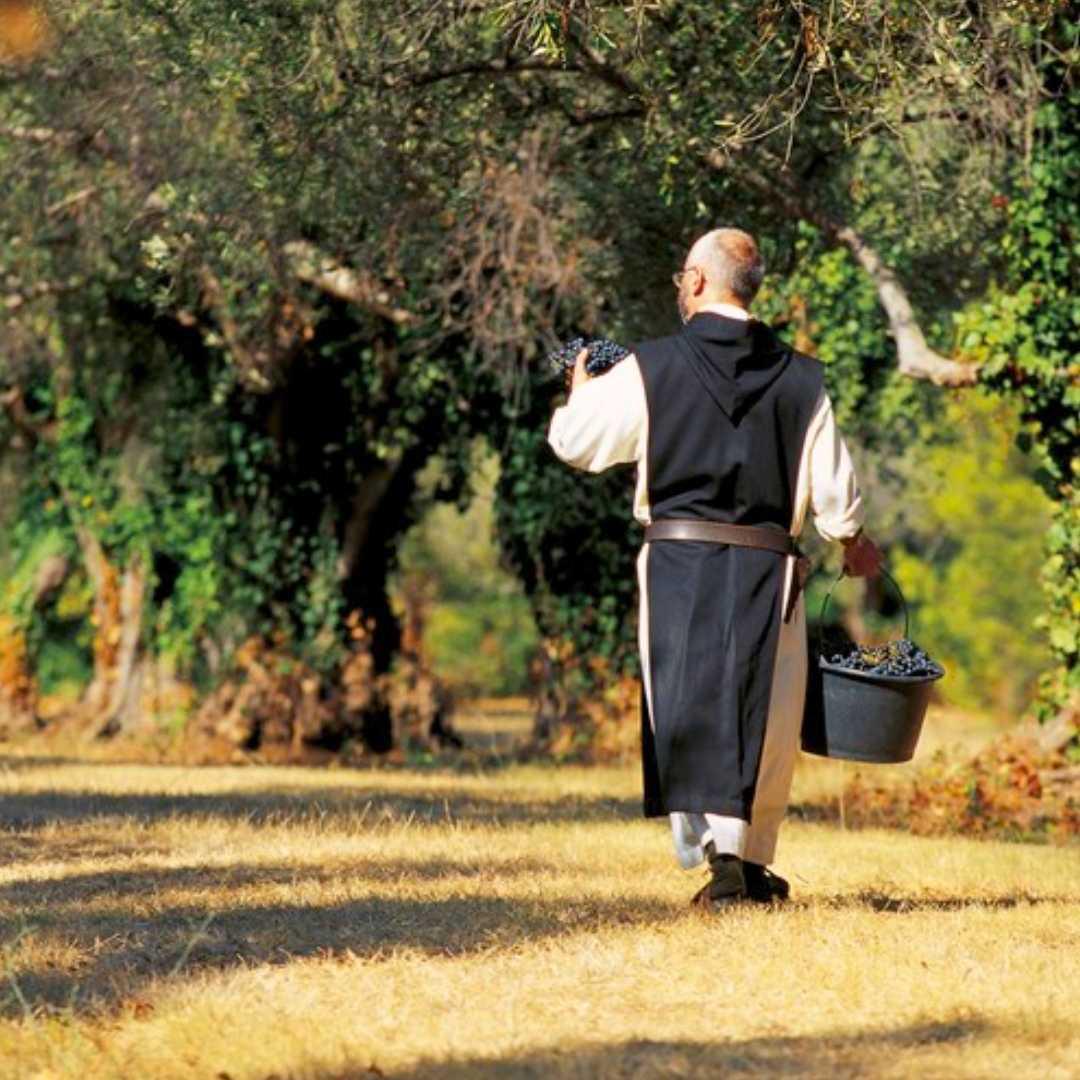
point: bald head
(730, 270)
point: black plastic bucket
(858, 716)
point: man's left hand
(862, 557)
(580, 374)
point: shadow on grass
(293, 805)
(53, 893)
(112, 950)
(903, 905)
(840, 1055)
(119, 950)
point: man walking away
(735, 443)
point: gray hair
(731, 261)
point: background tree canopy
(262, 264)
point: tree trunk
(112, 702)
(409, 704)
(18, 687)
(359, 524)
(378, 515)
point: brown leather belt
(752, 536)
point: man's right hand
(862, 557)
(580, 375)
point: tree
(259, 265)
(223, 424)
(968, 106)
(1026, 333)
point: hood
(735, 360)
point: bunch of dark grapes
(603, 354)
(901, 658)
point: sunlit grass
(161, 921)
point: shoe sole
(719, 902)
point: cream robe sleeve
(604, 422)
(834, 497)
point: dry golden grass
(318, 924)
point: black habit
(729, 406)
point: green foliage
(482, 646)
(194, 403)
(63, 664)
(910, 175)
(827, 306)
(970, 566)
(478, 632)
(1027, 336)
(22, 562)
(572, 540)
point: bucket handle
(832, 588)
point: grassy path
(255, 922)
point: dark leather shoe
(763, 886)
(726, 885)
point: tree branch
(16, 300)
(344, 283)
(915, 358)
(71, 200)
(41, 136)
(594, 64)
(587, 119)
(252, 365)
(15, 404)
(614, 77)
(46, 136)
(509, 66)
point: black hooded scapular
(729, 406)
